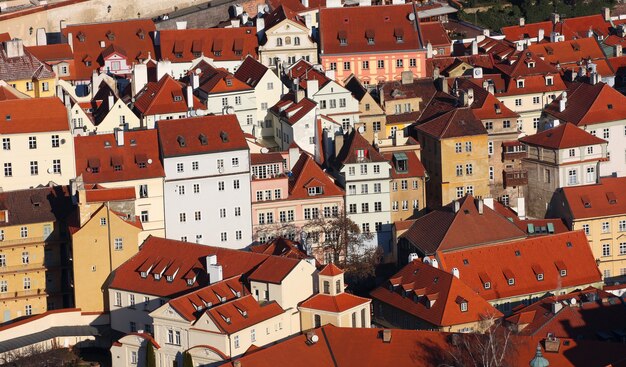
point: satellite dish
(315, 338)
(200, 112)
(426, 260)
(264, 150)
(435, 52)
(412, 16)
(149, 160)
(573, 301)
(89, 169)
(49, 170)
(198, 71)
(361, 129)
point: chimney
(474, 47)
(555, 18)
(294, 155)
(364, 2)
(618, 50)
(429, 51)
(213, 269)
(387, 336)
(42, 40)
(470, 96)
(480, 205)
(606, 13)
(234, 23)
(244, 18)
(305, 3)
(563, 102)
(299, 95)
(260, 28)
(486, 33)
(119, 137)
(521, 208)
(541, 35)
(522, 22)
(111, 101)
(338, 143)
(195, 81)
(488, 202)
(181, 25)
(457, 206)
(407, 77)
(556, 307)
(189, 97)
(312, 87)
(14, 48)
(70, 40)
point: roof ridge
(592, 102)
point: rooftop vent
(203, 139)
(181, 141)
(224, 136)
(387, 336)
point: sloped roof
(445, 63)
(37, 205)
(563, 136)
(222, 133)
(522, 260)
(33, 115)
(339, 303)
(410, 287)
(291, 111)
(25, 67)
(161, 98)
(353, 142)
(604, 199)
(423, 88)
(53, 52)
(444, 230)
(192, 305)
(455, 123)
(101, 153)
(280, 246)
(307, 173)
(589, 104)
(274, 269)
(485, 104)
(303, 71)
(250, 71)
(528, 30)
(214, 80)
(280, 13)
(100, 194)
(384, 22)
(568, 51)
(7, 92)
(134, 36)
(219, 44)
(331, 270)
(435, 33)
(415, 168)
(229, 317)
(160, 254)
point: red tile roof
(385, 23)
(264, 158)
(25, 67)
(18, 116)
(354, 142)
(53, 52)
(339, 303)
(568, 51)
(520, 260)
(571, 28)
(100, 194)
(410, 288)
(250, 71)
(161, 98)
(485, 105)
(280, 246)
(303, 71)
(219, 44)
(101, 153)
(192, 305)
(305, 174)
(593, 315)
(6, 93)
(134, 36)
(589, 104)
(444, 230)
(5, 37)
(37, 205)
(530, 30)
(563, 136)
(280, 13)
(415, 168)
(222, 134)
(436, 34)
(500, 49)
(229, 317)
(603, 199)
(274, 270)
(423, 88)
(214, 80)
(297, 5)
(455, 123)
(160, 254)
(291, 111)
(484, 61)
(347, 347)
(331, 270)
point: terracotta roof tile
(251, 71)
(264, 158)
(214, 80)
(485, 104)
(589, 104)
(45, 204)
(97, 156)
(100, 194)
(291, 111)
(305, 174)
(216, 43)
(427, 283)
(25, 67)
(192, 305)
(516, 259)
(415, 168)
(163, 97)
(339, 303)
(331, 270)
(568, 51)
(354, 142)
(53, 52)
(606, 198)
(200, 135)
(229, 317)
(281, 246)
(28, 115)
(457, 122)
(274, 269)
(563, 136)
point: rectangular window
(23, 232)
(518, 102)
(606, 134)
(606, 249)
(223, 237)
(586, 229)
(364, 189)
(459, 192)
(26, 283)
(237, 211)
(198, 215)
(606, 228)
(144, 216)
(469, 169)
(8, 170)
(399, 63)
(32, 142)
(182, 217)
(195, 165)
(622, 225)
(34, 168)
(365, 208)
(179, 168)
(55, 141)
(118, 299)
(220, 186)
(377, 188)
(459, 170)
(404, 185)
(378, 206)
(4, 286)
(196, 188)
(346, 65)
(6, 143)
(572, 177)
(380, 64)
(457, 148)
(118, 244)
(468, 146)
(622, 248)
(181, 189)
(365, 65)
(352, 209)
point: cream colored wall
(20, 157)
(287, 28)
(14, 301)
(112, 119)
(296, 287)
(615, 263)
(266, 332)
(342, 319)
(93, 246)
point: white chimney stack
(521, 208)
(488, 202)
(119, 137)
(563, 102)
(213, 269)
(111, 101)
(312, 87)
(457, 206)
(474, 47)
(541, 35)
(189, 97)
(522, 22)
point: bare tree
(489, 346)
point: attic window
(399, 34)
(157, 276)
(229, 82)
(610, 196)
(343, 38)
(549, 80)
(549, 50)
(111, 36)
(316, 190)
(144, 274)
(178, 98)
(464, 306)
(190, 282)
(511, 281)
(520, 83)
(361, 154)
(181, 141)
(8, 117)
(575, 46)
(141, 34)
(465, 262)
(586, 201)
(369, 34)
(81, 37)
(203, 139)
(487, 285)
(540, 276)
(224, 136)
(568, 244)
(531, 64)
(518, 253)
(609, 106)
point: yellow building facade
(24, 72)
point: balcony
(23, 268)
(515, 178)
(513, 150)
(21, 294)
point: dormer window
(178, 98)
(87, 63)
(189, 282)
(169, 278)
(369, 34)
(520, 83)
(464, 306)
(141, 34)
(316, 190)
(111, 36)
(203, 139)
(343, 41)
(81, 37)
(144, 274)
(549, 80)
(399, 34)
(157, 276)
(563, 272)
(531, 64)
(487, 285)
(343, 38)
(511, 281)
(229, 82)
(217, 53)
(181, 141)
(540, 276)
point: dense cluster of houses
(169, 185)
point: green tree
(150, 359)
(187, 360)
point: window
(34, 168)
(144, 216)
(198, 215)
(252, 335)
(237, 211)
(394, 186)
(3, 260)
(29, 86)
(540, 276)
(352, 209)
(404, 184)
(378, 206)
(333, 66)
(365, 65)
(118, 244)
(326, 287)
(518, 102)
(32, 142)
(536, 100)
(380, 64)
(223, 237)
(394, 206)
(182, 217)
(363, 169)
(4, 286)
(572, 177)
(606, 134)
(606, 228)
(181, 189)
(606, 249)
(469, 169)
(506, 124)
(563, 272)
(25, 258)
(365, 207)
(405, 205)
(8, 170)
(23, 232)
(220, 186)
(376, 126)
(412, 63)
(346, 65)
(179, 167)
(505, 200)
(469, 190)
(351, 171)
(365, 227)
(6, 143)
(586, 229)
(535, 122)
(468, 146)
(511, 281)
(459, 170)
(55, 141)
(457, 148)
(591, 174)
(490, 148)
(459, 192)
(363, 188)
(622, 225)
(399, 63)
(26, 283)
(133, 354)
(622, 248)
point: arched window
(296, 41)
(287, 40)
(279, 41)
